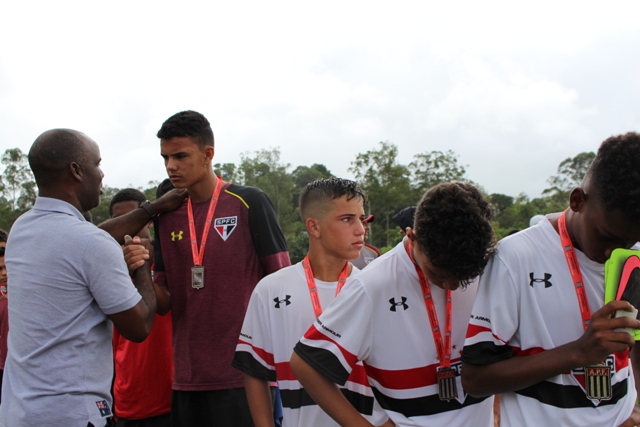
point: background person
(143, 371)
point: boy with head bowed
(404, 317)
(68, 280)
(286, 303)
(540, 333)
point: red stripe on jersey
(473, 330)
(284, 372)
(264, 355)
(358, 374)
(313, 334)
(622, 359)
(405, 378)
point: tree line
(390, 187)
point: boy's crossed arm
(599, 340)
(328, 396)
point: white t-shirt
(527, 304)
(279, 313)
(381, 319)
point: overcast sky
(513, 88)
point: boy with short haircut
(530, 339)
(403, 319)
(285, 303)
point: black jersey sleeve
(263, 221)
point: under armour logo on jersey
(175, 235)
(395, 305)
(225, 226)
(286, 301)
(547, 283)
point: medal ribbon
(443, 347)
(198, 255)
(574, 268)
(311, 283)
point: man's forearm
(131, 223)
(144, 283)
(128, 224)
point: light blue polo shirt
(65, 276)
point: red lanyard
(311, 282)
(443, 349)
(198, 255)
(574, 268)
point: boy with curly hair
(540, 333)
(405, 318)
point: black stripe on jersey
(323, 361)
(562, 396)
(485, 353)
(246, 363)
(295, 399)
(422, 406)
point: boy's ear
(411, 235)
(313, 227)
(209, 152)
(577, 199)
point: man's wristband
(146, 205)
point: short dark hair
(2, 249)
(316, 195)
(615, 175)
(453, 229)
(188, 123)
(164, 187)
(404, 218)
(126, 195)
(52, 152)
(3, 236)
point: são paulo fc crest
(225, 226)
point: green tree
(265, 171)
(303, 175)
(227, 171)
(435, 167)
(100, 213)
(388, 187)
(571, 171)
(17, 182)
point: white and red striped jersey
(527, 304)
(279, 313)
(381, 320)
